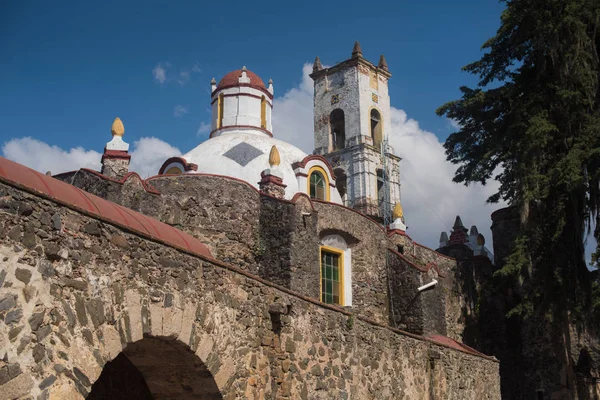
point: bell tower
(352, 124)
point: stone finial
(458, 224)
(356, 51)
(317, 66)
(398, 216)
(274, 158)
(398, 211)
(270, 87)
(213, 84)
(443, 239)
(213, 81)
(117, 128)
(382, 63)
(474, 231)
(244, 76)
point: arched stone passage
(155, 368)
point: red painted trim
(437, 253)
(186, 166)
(301, 174)
(115, 154)
(241, 126)
(262, 89)
(275, 180)
(128, 175)
(311, 157)
(402, 233)
(418, 267)
(240, 94)
(351, 209)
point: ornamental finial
(398, 212)
(274, 158)
(117, 128)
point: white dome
(244, 156)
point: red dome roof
(231, 79)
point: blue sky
(69, 67)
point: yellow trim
(263, 112)
(322, 171)
(173, 171)
(220, 108)
(340, 253)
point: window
(376, 130)
(332, 276)
(318, 184)
(263, 112)
(220, 109)
(338, 130)
(173, 171)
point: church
(245, 268)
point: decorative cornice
(268, 132)
(262, 89)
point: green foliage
(533, 124)
(350, 322)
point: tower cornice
(351, 62)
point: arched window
(337, 129)
(376, 128)
(220, 109)
(263, 112)
(173, 171)
(318, 184)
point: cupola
(241, 103)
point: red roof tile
(231, 79)
(46, 186)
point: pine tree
(533, 124)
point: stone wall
(279, 240)
(75, 293)
(418, 312)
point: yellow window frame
(325, 177)
(340, 254)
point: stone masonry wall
(369, 247)
(75, 292)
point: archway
(155, 368)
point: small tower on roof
(351, 124)
(241, 102)
(116, 157)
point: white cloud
(203, 129)
(149, 153)
(430, 199)
(44, 157)
(293, 113)
(180, 111)
(454, 123)
(160, 72)
(184, 77)
(146, 158)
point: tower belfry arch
(352, 124)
